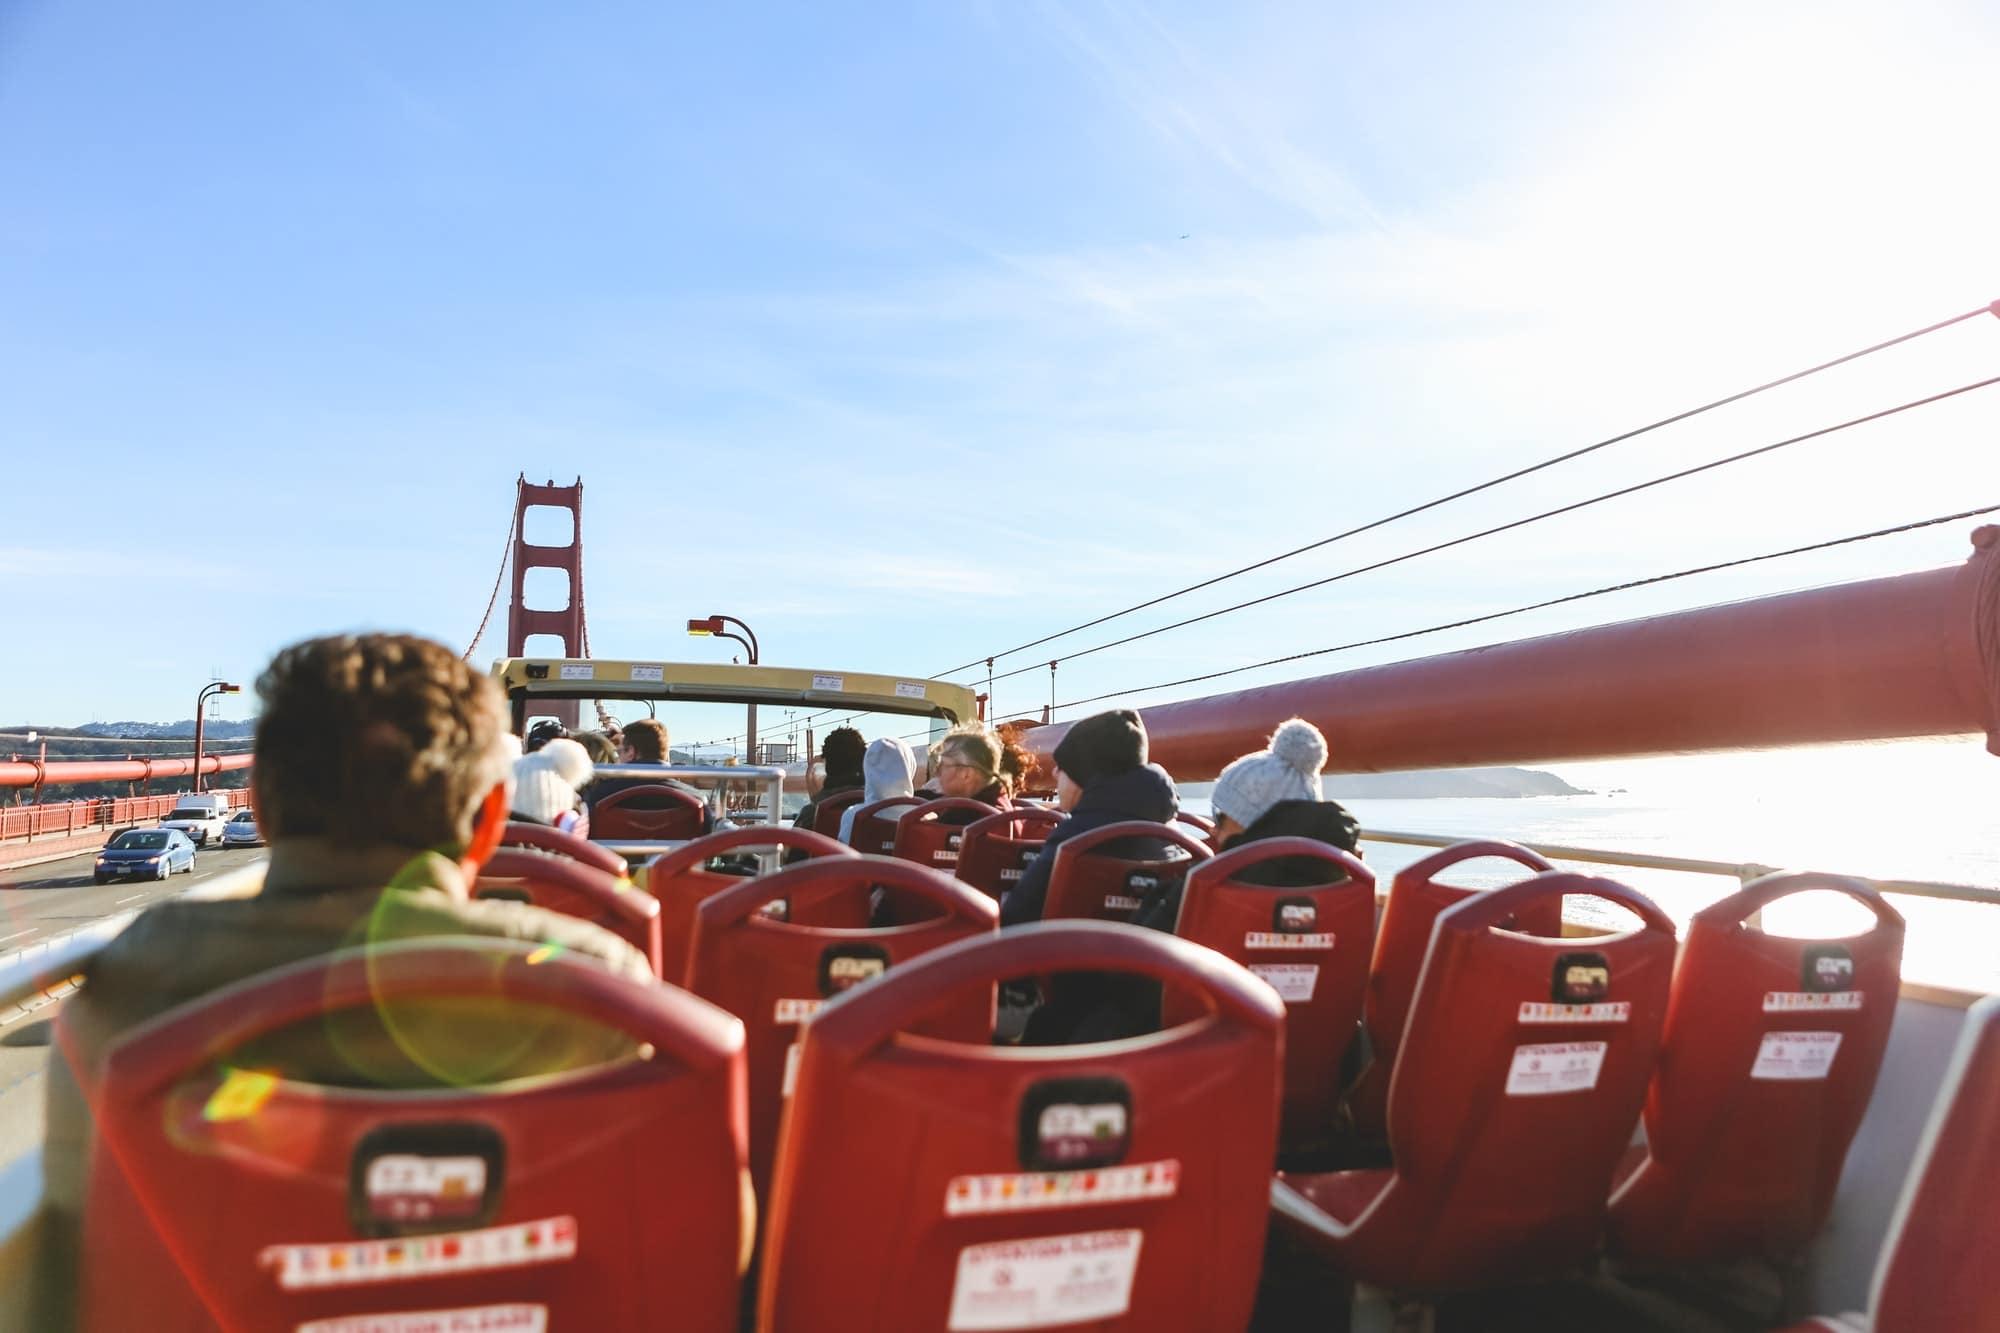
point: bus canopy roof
(710, 682)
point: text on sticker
(1555, 1067)
(1035, 1190)
(1786, 1001)
(578, 671)
(466, 1319)
(649, 673)
(795, 1011)
(1294, 982)
(1044, 1281)
(1271, 939)
(829, 682)
(1795, 1055)
(301, 1267)
(1604, 1011)
(905, 690)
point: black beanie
(1101, 745)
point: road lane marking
(18, 934)
(132, 899)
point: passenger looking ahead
(547, 784)
(970, 760)
(1276, 793)
(1102, 777)
(841, 756)
(887, 769)
(645, 742)
(381, 783)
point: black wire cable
(1553, 601)
(1516, 523)
(1678, 417)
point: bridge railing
(57, 818)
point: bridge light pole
(716, 626)
(200, 705)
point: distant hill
(1427, 784)
(219, 727)
(102, 740)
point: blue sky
(907, 333)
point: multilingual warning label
(302, 1267)
(1612, 1011)
(653, 673)
(1795, 1055)
(1294, 982)
(467, 1319)
(795, 1011)
(1120, 902)
(1271, 939)
(1556, 1066)
(578, 671)
(1032, 1191)
(1793, 1001)
(1044, 1281)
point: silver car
(241, 831)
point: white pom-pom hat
(1287, 771)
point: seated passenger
(1102, 777)
(547, 783)
(381, 785)
(971, 760)
(598, 746)
(548, 729)
(841, 756)
(1275, 793)
(887, 769)
(645, 742)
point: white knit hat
(546, 782)
(1288, 771)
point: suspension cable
(506, 554)
(1633, 434)
(1537, 606)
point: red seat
(828, 810)
(680, 879)
(543, 838)
(927, 1184)
(1932, 1276)
(1311, 943)
(1089, 880)
(1523, 1069)
(223, 1198)
(1766, 1066)
(578, 890)
(1415, 901)
(652, 813)
(874, 831)
(1195, 821)
(774, 974)
(930, 834)
(996, 849)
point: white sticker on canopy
(649, 673)
(905, 690)
(1604, 1011)
(304, 1267)
(1271, 939)
(1044, 1281)
(1294, 982)
(579, 671)
(1795, 1055)
(829, 682)
(1788, 1001)
(795, 1011)
(466, 1319)
(1556, 1066)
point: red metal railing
(34, 773)
(59, 818)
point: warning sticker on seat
(467, 1319)
(1269, 939)
(1795, 1055)
(1556, 1066)
(1294, 982)
(1044, 1281)
(1610, 1011)
(795, 1011)
(1031, 1191)
(1789, 1001)
(301, 1267)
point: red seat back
(681, 879)
(928, 1184)
(1088, 880)
(1933, 1273)
(828, 810)
(775, 974)
(651, 813)
(874, 836)
(543, 838)
(222, 1198)
(578, 890)
(1768, 1061)
(996, 849)
(1201, 823)
(931, 834)
(1522, 1072)
(1311, 944)
(1415, 902)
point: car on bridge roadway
(241, 831)
(202, 824)
(144, 853)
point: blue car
(145, 853)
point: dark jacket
(833, 786)
(1145, 792)
(1322, 821)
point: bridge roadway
(38, 902)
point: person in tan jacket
(381, 783)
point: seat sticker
(1032, 1191)
(1073, 1132)
(1581, 978)
(1294, 982)
(305, 1267)
(405, 1187)
(1828, 967)
(1556, 1066)
(1268, 939)
(1118, 902)
(1295, 916)
(1795, 1055)
(1044, 1281)
(1788, 1001)
(466, 1319)
(1612, 1011)
(795, 1011)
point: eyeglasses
(959, 763)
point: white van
(202, 817)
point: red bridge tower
(566, 623)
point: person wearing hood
(548, 783)
(887, 769)
(1102, 777)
